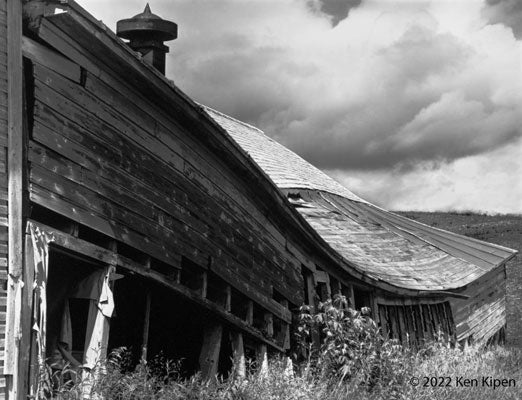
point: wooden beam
(209, 356)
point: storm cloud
(336, 9)
(381, 90)
(507, 12)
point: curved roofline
(459, 252)
(167, 95)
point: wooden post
(238, 352)
(146, 325)
(375, 309)
(347, 292)
(402, 323)
(26, 317)
(209, 356)
(286, 336)
(392, 313)
(269, 324)
(146, 320)
(250, 312)
(351, 296)
(417, 313)
(204, 284)
(285, 329)
(384, 322)
(262, 359)
(310, 289)
(228, 298)
(16, 132)
(428, 332)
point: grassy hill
(505, 230)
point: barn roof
(371, 242)
(377, 243)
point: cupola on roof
(147, 32)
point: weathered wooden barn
(132, 216)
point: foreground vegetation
(353, 361)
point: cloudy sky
(413, 105)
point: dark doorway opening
(67, 315)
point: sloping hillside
(505, 230)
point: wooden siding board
(173, 152)
(485, 307)
(67, 146)
(51, 59)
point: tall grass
(352, 362)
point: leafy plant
(351, 347)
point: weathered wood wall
(416, 322)
(484, 313)
(130, 171)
